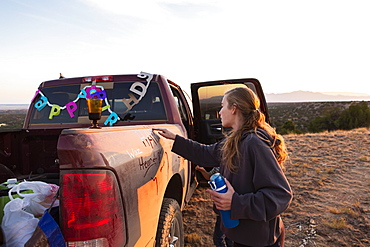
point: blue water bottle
(217, 183)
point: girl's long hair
(248, 104)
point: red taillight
(97, 78)
(91, 208)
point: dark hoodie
(262, 191)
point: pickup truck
(120, 184)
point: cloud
(155, 10)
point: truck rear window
(150, 107)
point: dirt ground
(330, 177)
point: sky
(317, 45)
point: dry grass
(330, 177)
(193, 239)
(347, 211)
(336, 224)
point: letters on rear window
(126, 101)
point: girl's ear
(233, 109)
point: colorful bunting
(95, 91)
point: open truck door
(207, 97)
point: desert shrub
(356, 116)
(289, 127)
(326, 122)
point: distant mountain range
(306, 96)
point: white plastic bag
(17, 225)
(42, 197)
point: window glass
(180, 105)
(210, 98)
(59, 96)
(122, 101)
(150, 107)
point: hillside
(330, 177)
(301, 113)
(12, 119)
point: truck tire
(170, 232)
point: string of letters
(95, 91)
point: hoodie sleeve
(271, 191)
(206, 155)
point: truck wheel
(170, 232)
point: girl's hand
(204, 172)
(223, 200)
(200, 168)
(165, 133)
